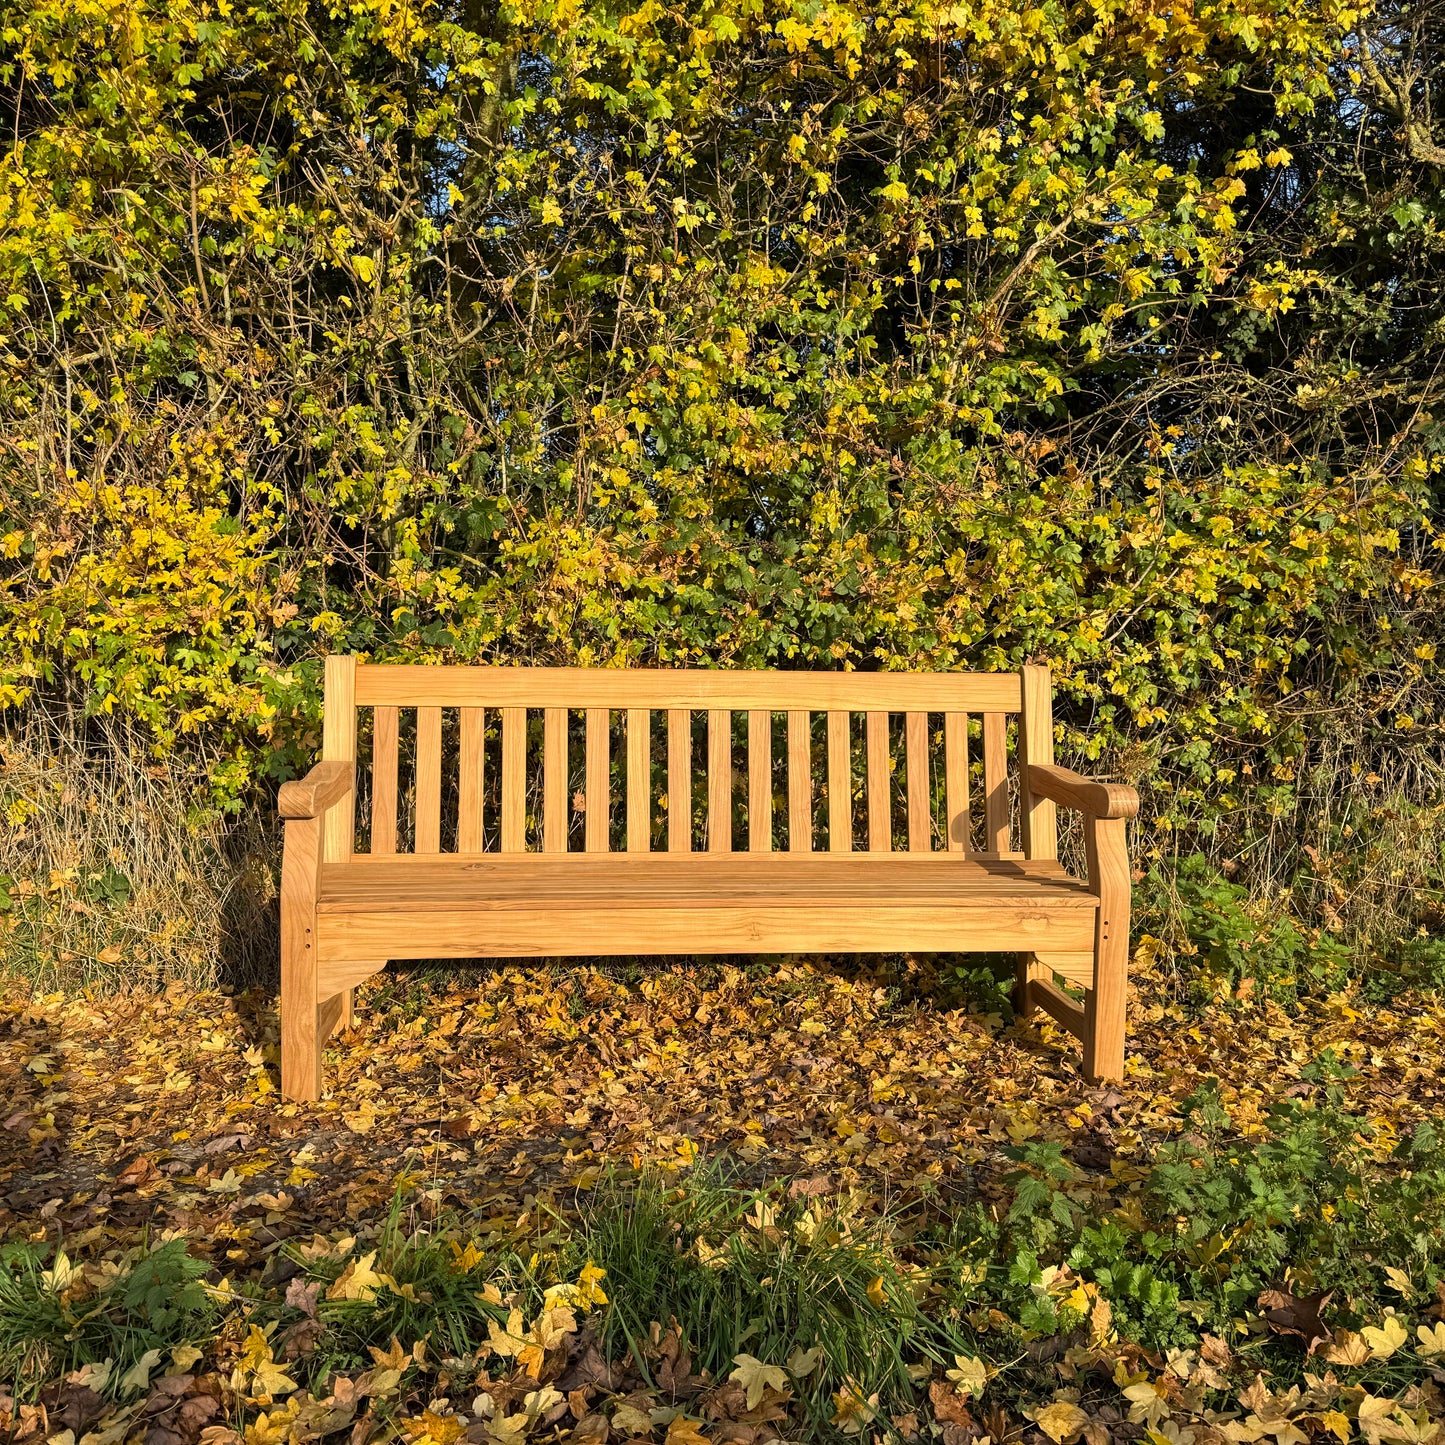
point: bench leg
(1028, 969)
(301, 1021)
(1104, 1024)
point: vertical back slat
(840, 784)
(719, 780)
(338, 745)
(679, 780)
(880, 799)
(514, 780)
(920, 818)
(955, 780)
(760, 781)
(639, 780)
(470, 766)
(384, 730)
(554, 780)
(428, 780)
(598, 818)
(800, 783)
(1036, 745)
(995, 782)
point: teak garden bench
(491, 832)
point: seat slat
(514, 780)
(639, 780)
(384, 731)
(471, 762)
(995, 782)
(554, 780)
(880, 785)
(661, 879)
(598, 817)
(840, 784)
(719, 781)
(760, 781)
(955, 785)
(800, 783)
(679, 780)
(920, 814)
(428, 780)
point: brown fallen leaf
(949, 1407)
(591, 1430)
(1287, 1314)
(809, 1188)
(1215, 1350)
(140, 1171)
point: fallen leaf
(1287, 1314)
(1062, 1422)
(1347, 1348)
(969, 1375)
(1385, 1339)
(754, 1376)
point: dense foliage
(720, 333)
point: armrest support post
(1108, 855)
(300, 1032)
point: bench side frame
(1099, 1021)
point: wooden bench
(536, 812)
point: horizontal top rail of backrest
(383, 685)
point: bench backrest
(519, 759)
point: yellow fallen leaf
(1400, 1280)
(629, 1420)
(1385, 1339)
(264, 1377)
(851, 1411)
(358, 1281)
(754, 1376)
(1061, 1421)
(683, 1431)
(969, 1375)
(1432, 1339)
(442, 1429)
(1348, 1348)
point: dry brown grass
(119, 875)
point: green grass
(51, 1324)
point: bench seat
(579, 903)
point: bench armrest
(311, 796)
(1071, 790)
